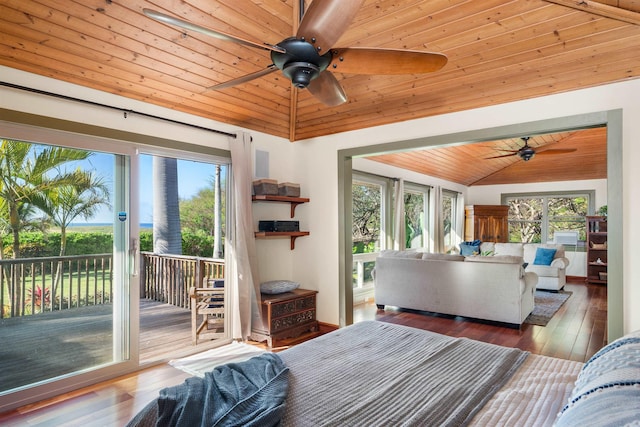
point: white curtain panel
(459, 220)
(438, 238)
(243, 267)
(398, 216)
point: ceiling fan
(527, 152)
(306, 57)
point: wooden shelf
(294, 201)
(293, 235)
(596, 235)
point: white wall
(317, 260)
(364, 165)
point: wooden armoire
(488, 223)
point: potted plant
(602, 211)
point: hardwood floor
(576, 332)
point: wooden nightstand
(286, 315)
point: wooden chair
(207, 311)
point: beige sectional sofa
(489, 288)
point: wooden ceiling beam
(601, 9)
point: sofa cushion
(442, 257)
(470, 248)
(543, 270)
(509, 249)
(487, 248)
(389, 253)
(530, 250)
(544, 256)
(607, 390)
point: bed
(375, 373)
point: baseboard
(576, 279)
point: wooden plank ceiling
(498, 51)
(471, 164)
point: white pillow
(515, 249)
(278, 286)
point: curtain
(459, 220)
(242, 263)
(438, 231)
(399, 232)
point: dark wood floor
(576, 332)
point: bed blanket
(380, 374)
(249, 393)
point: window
(535, 218)
(416, 206)
(369, 235)
(450, 223)
(368, 215)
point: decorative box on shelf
(286, 315)
(289, 189)
(265, 187)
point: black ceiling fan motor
(301, 62)
(526, 153)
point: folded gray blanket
(249, 393)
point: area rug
(546, 305)
(200, 363)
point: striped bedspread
(380, 374)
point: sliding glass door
(67, 266)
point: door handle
(134, 253)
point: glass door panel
(64, 276)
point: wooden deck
(35, 348)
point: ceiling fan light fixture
(301, 73)
(527, 153)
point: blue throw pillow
(544, 256)
(470, 248)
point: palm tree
(66, 203)
(27, 171)
(27, 174)
(167, 237)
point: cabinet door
(499, 228)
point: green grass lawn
(73, 290)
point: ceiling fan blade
(326, 20)
(207, 31)
(557, 151)
(504, 155)
(327, 90)
(270, 69)
(370, 61)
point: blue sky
(192, 177)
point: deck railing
(167, 278)
(37, 285)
